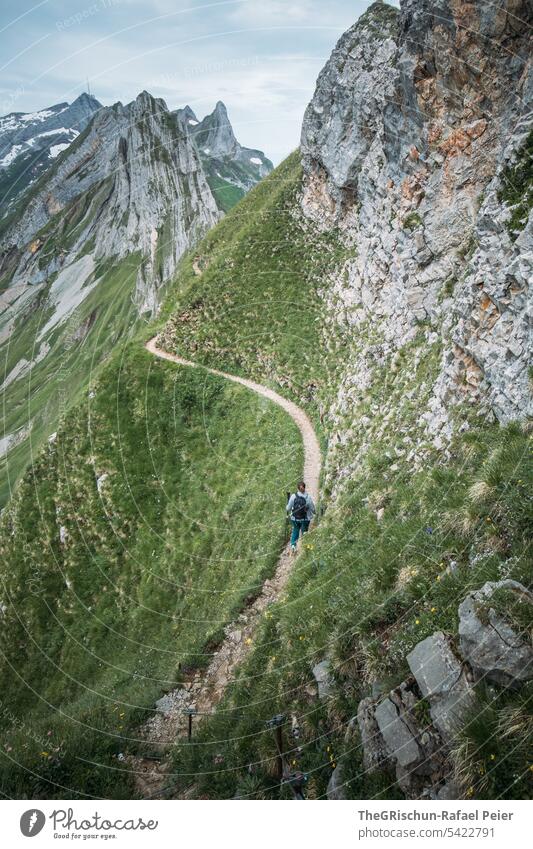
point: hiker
(300, 510)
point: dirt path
(205, 689)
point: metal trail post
(274, 725)
(190, 713)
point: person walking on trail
(300, 510)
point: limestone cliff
(418, 143)
(132, 182)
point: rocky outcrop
(495, 648)
(413, 728)
(419, 121)
(133, 183)
(397, 734)
(444, 680)
(223, 158)
(322, 674)
(336, 789)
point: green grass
(494, 752)
(40, 396)
(367, 589)
(257, 308)
(187, 526)
(405, 534)
(363, 594)
(226, 194)
(412, 221)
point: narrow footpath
(203, 691)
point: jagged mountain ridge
(29, 142)
(130, 191)
(331, 299)
(225, 160)
(131, 175)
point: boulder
(444, 681)
(335, 790)
(400, 742)
(375, 754)
(323, 678)
(496, 650)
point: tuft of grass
(494, 751)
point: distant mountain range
(30, 141)
(225, 161)
(97, 206)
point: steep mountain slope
(136, 183)
(86, 250)
(410, 350)
(30, 141)
(83, 254)
(131, 542)
(330, 282)
(231, 169)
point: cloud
(261, 57)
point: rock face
(139, 186)
(443, 679)
(413, 728)
(30, 141)
(496, 650)
(335, 790)
(323, 677)
(415, 143)
(396, 734)
(225, 161)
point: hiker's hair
(301, 483)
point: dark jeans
(298, 526)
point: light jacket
(310, 505)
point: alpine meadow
(185, 332)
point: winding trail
(205, 688)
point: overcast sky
(261, 57)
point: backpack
(299, 507)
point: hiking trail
(204, 689)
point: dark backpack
(299, 507)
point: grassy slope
(365, 591)
(187, 525)
(41, 395)
(256, 309)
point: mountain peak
(186, 118)
(214, 135)
(87, 99)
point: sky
(260, 57)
